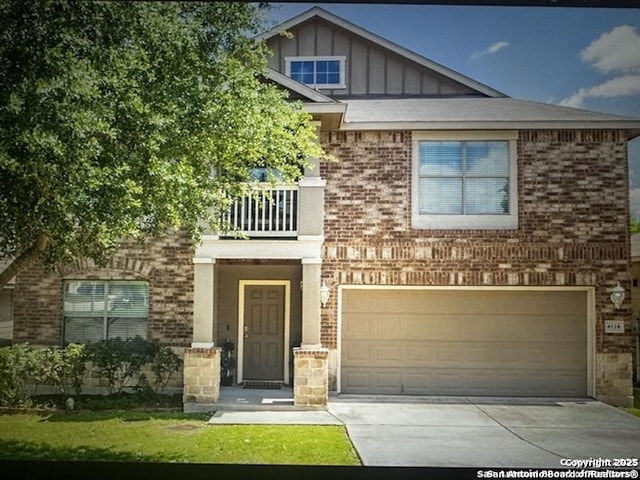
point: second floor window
(320, 72)
(465, 180)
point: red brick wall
(166, 263)
(573, 222)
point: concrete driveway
(485, 432)
(455, 431)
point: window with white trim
(317, 72)
(96, 310)
(464, 180)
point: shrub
(163, 362)
(118, 361)
(119, 364)
(64, 368)
(18, 363)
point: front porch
(237, 398)
(264, 296)
(203, 391)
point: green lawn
(636, 403)
(168, 437)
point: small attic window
(317, 72)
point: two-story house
(463, 243)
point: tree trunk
(24, 259)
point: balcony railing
(267, 212)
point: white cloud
(496, 47)
(625, 85)
(617, 50)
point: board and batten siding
(370, 68)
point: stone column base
(311, 377)
(201, 375)
(614, 379)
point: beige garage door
(434, 342)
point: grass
(636, 403)
(168, 437)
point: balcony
(265, 212)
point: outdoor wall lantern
(617, 295)
(325, 293)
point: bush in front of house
(24, 368)
(63, 368)
(164, 363)
(119, 364)
(17, 364)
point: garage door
(453, 342)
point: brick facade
(573, 231)
(573, 223)
(166, 263)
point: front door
(264, 313)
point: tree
(126, 119)
(634, 226)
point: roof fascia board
(632, 127)
(382, 42)
(340, 108)
(287, 24)
(297, 87)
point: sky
(579, 57)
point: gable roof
(4, 263)
(493, 111)
(330, 111)
(297, 87)
(382, 42)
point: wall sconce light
(617, 295)
(325, 293)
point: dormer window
(317, 72)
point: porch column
(311, 198)
(311, 205)
(203, 302)
(310, 361)
(311, 283)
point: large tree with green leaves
(121, 119)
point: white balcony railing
(267, 212)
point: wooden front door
(263, 355)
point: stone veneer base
(201, 375)
(311, 383)
(613, 379)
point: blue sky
(580, 57)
